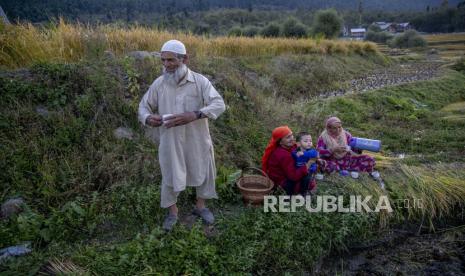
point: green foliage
(270, 30)
(380, 37)
(251, 31)
(328, 23)
(181, 252)
(293, 28)
(95, 199)
(440, 20)
(226, 188)
(235, 31)
(405, 118)
(75, 220)
(374, 28)
(408, 39)
(202, 28)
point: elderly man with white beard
(179, 104)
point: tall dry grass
(419, 192)
(24, 44)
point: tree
(381, 37)
(293, 28)
(251, 31)
(270, 30)
(235, 31)
(374, 28)
(327, 23)
(408, 39)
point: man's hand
(154, 120)
(180, 119)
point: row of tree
(326, 23)
(40, 10)
(197, 17)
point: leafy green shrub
(408, 39)
(374, 28)
(235, 31)
(328, 23)
(380, 37)
(270, 30)
(183, 252)
(201, 28)
(293, 28)
(72, 221)
(226, 185)
(21, 228)
(251, 31)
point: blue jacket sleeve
(311, 153)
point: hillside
(41, 10)
(92, 198)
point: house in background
(385, 26)
(393, 27)
(402, 27)
(357, 33)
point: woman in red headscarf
(278, 163)
(333, 147)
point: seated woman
(333, 147)
(279, 164)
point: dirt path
(393, 75)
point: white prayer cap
(174, 46)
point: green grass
(93, 200)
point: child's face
(306, 142)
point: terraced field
(449, 46)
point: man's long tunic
(185, 152)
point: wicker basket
(254, 187)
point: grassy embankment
(93, 199)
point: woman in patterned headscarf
(332, 146)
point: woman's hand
(340, 149)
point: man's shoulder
(156, 83)
(198, 76)
(158, 80)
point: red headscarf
(277, 134)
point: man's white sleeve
(213, 101)
(146, 104)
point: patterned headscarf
(333, 142)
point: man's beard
(173, 78)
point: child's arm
(311, 153)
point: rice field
(25, 44)
(449, 46)
(450, 37)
